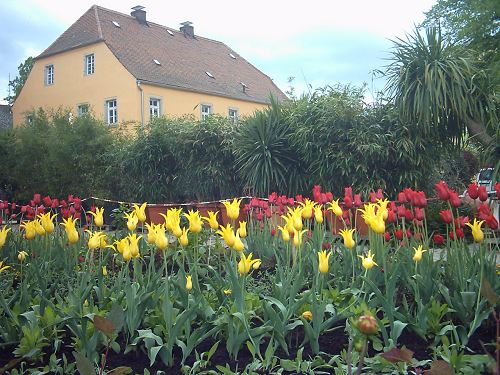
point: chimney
(139, 13)
(187, 29)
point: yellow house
(125, 69)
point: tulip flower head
(151, 237)
(373, 214)
(367, 261)
(195, 222)
(134, 245)
(47, 221)
(477, 232)
(242, 230)
(417, 257)
(140, 212)
(104, 271)
(227, 234)
(3, 236)
(69, 225)
(238, 244)
(284, 233)
(335, 208)
(98, 216)
(245, 264)
(296, 218)
(132, 220)
(297, 237)
(94, 241)
(232, 208)
(212, 220)
(3, 267)
(318, 214)
(161, 240)
(183, 239)
(29, 229)
(347, 235)
(307, 315)
(323, 261)
(307, 208)
(21, 256)
(189, 283)
(40, 230)
(288, 223)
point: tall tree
(441, 89)
(17, 83)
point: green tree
(441, 89)
(17, 83)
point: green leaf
(122, 370)
(84, 365)
(488, 292)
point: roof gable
(183, 61)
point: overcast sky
(317, 42)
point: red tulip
(409, 215)
(438, 239)
(483, 194)
(408, 233)
(348, 202)
(473, 191)
(36, 199)
(348, 192)
(273, 231)
(497, 189)
(379, 194)
(357, 200)
(454, 199)
(419, 199)
(442, 190)
(401, 211)
(47, 201)
(373, 197)
(460, 233)
(446, 216)
(402, 198)
(387, 236)
(398, 234)
(419, 214)
(491, 222)
(391, 216)
(329, 196)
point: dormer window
(116, 24)
(89, 64)
(209, 74)
(49, 74)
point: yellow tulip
(477, 232)
(98, 216)
(173, 216)
(3, 236)
(3, 267)
(307, 208)
(195, 222)
(21, 256)
(103, 244)
(335, 207)
(242, 230)
(94, 241)
(257, 264)
(245, 264)
(132, 221)
(227, 292)
(47, 221)
(382, 206)
(104, 271)
(368, 261)
(323, 261)
(161, 240)
(134, 245)
(296, 218)
(40, 230)
(212, 220)
(127, 254)
(347, 235)
(227, 234)
(238, 244)
(284, 233)
(288, 222)
(318, 214)
(307, 315)
(29, 229)
(373, 215)
(122, 245)
(297, 237)
(151, 238)
(189, 283)
(183, 239)
(417, 257)
(140, 212)
(69, 225)
(232, 208)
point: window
(206, 110)
(233, 114)
(83, 109)
(154, 107)
(29, 119)
(49, 75)
(89, 64)
(111, 111)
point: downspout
(142, 103)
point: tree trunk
(478, 131)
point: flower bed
(298, 286)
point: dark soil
(332, 342)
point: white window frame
(49, 74)
(89, 64)
(80, 107)
(111, 108)
(155, 111)
(205, 114)
(236, 114)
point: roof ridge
(98, 21)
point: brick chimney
(188, 29)
(139, 13)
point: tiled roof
(184, 60)
(5, 116)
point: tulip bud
(367, 324)
(307, 315)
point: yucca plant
(265, 158)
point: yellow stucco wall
(73, 87)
